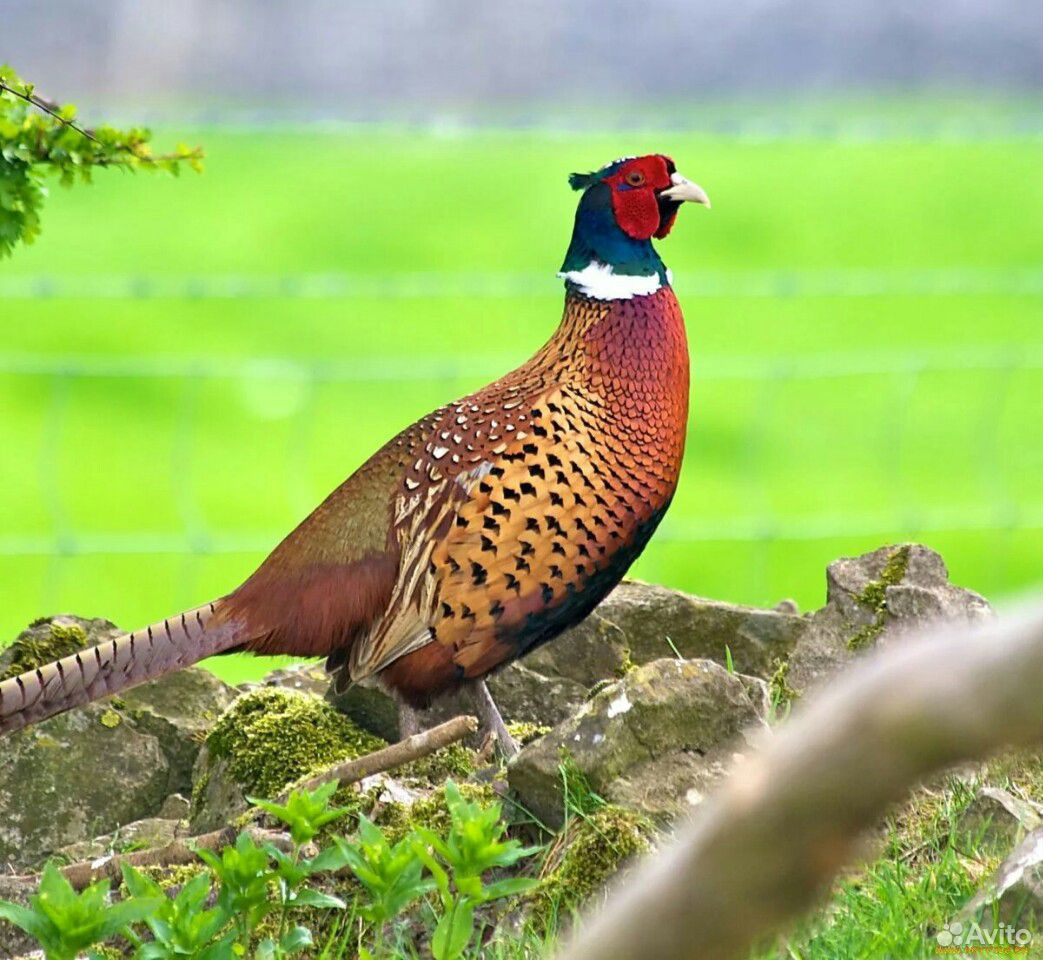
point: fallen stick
(182, 851)
(765, 846)
(405, 751)
(174, 854)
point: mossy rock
(876, 598)
(268, 739)
(51, 638)
(85, 773)
(591, 852)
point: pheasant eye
(635, 178)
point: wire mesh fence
(836, 450)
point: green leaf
(316, 898)
(510, 887)
(119, 915)
(454, 931)
(327, 861)
(296, 939)
(37, 926)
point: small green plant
(459, 865)
(66, 923)
(245, 901)
(182, 926)
(253, 883)
(475, 845)
(392, 876)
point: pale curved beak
(684, 189)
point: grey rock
(140, 835)
(877, 598)
(305, 677)
(654, 741)
(657, 622)
(217, 799)
(1014, 895)
(84, 773)
(178, 710)
(373, 710)
(175, 807)
(74, 777)
(996, 820)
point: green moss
(32, 650)
(593, 850)
(874, 598)
(110, 718)
(272, 737)
(397, 819)
(627, 663)
(454, 762)
(781, 692)
(874, 595)
(602, 684)
(524, 732)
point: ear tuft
(580, 181)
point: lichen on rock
(873, 597)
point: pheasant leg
(491, 721)
(410, 721)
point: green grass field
(189, 365)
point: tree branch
(767, 843)
(48, 107)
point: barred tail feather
(109, 667)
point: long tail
(101, 670)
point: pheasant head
(624, 206)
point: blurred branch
(766, 845)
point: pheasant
(487, 527)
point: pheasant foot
(491, 720)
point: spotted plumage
(493, 523)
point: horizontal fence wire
(775, 284)
(996, 513)
(766, 375)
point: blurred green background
(188, 366)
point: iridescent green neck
(604, 262)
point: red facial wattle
(635, 204)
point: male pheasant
(487, 527)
